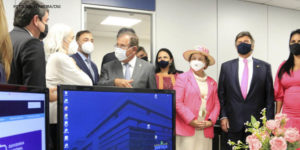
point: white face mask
(196, 65)
(120, 53)
(87, 47)
(73, 46)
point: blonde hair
(6, 48)
(54, 40)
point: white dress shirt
(250, 70)
(131, 66)
(62, 69)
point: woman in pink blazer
(197, 103)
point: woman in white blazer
(60, 68)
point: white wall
(180, 25)
(281, 23)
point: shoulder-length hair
(6, 48)
(172, 69)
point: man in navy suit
(83, 60)
(245, 88)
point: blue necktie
(127, 71)
(90, 68)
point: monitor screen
(118, 119)
(23, 118)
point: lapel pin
(257, 66)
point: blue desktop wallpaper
(117, 121)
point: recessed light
(120, 21)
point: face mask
(196, 65)
(44, 34)
(87, 47)
(295, 49)
(145, 58)
(73, 46)
(120, 53)
(163, 64)
(244, 48)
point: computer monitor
(116, 118)
(23, 117)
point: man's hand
(225, 124)
(123, 83)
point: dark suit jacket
(81, 64)
(260, 95)
(28, 63)
(143, 74)
(108, 57)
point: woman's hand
(200, 125)
(205, 124)
(195, 123)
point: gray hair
(54, 40)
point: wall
(180, 25)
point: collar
(28, 32)
(83, 56)
(250, 58)
(201, 79)
(131, 62)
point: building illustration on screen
(129, 126)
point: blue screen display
(117, 121)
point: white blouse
(62, 69)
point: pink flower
(279, 131)
(291, 135)
(254, 143)
(272, 124)
(280, 116)
(278, 143)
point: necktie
(127, 71)
(90, 68)
(244, 83)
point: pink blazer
(188, 102)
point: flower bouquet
(271, 135)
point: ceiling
(291, 4)
(96, 16)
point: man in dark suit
(128, 71)
(30, 27)
(245, 88)
(83, 60)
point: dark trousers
(235, 136)
(53, 137)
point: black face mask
(145, 58)
(44, 34)
(163, 64)
(295, 49)
(244, 48)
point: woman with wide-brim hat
(197, 103)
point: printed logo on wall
(48, 3)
